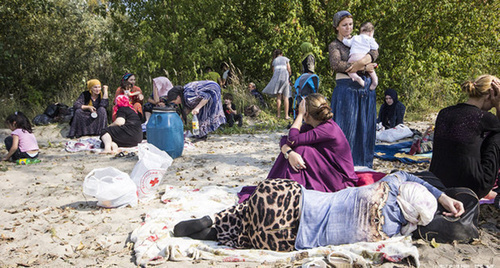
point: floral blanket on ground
(155, 243)
(92, 144)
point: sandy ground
(47, 221)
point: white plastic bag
(112, 187)
(393, 134)
(149, 170)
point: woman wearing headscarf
(90, 116)
(203, 99)
(158, 98)
(353, 106)
(134, 94)
(282, 215)
(392, 112)
(308, 61)
(126, 130)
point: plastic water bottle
(196, 126)
(27, 161)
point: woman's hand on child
(195, 111)
(370, 67)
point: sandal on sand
(119, 155)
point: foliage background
(49, 48)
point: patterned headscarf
(163, 85)
(126, 76)
(339, 16)
(90, 84)
(417, 204)
(122, 101)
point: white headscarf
(417, 204)
(163, 85)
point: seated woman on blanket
(466, 149)
(90, 116)
(282, 215)
(161, 86)
(315, 154)
(126, 130)
(133, 92)
(392, 111)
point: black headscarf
(387, 111)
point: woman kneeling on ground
(126, 130)
(282, 215)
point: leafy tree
(48, 48)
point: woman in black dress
(90, 111)
(466, 150)
(126, 130)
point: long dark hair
(276, 53)
(19, 120)
(173, 93)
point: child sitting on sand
(360, 45)
(22, 142)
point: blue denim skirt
(354, 110)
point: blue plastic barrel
(166, 131)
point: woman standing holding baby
(353, 105)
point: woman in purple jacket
(315, 154)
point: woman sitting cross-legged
(90, 111)
(282, 215)
(126, 130)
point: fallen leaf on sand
(80, 247)
(434, 244)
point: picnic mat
(155, 243)
(398, 151)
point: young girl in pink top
(22, 142)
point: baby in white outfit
(360, 45)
